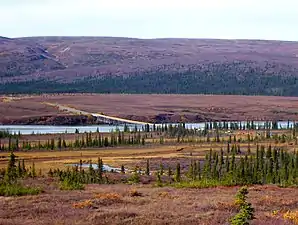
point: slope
(127, 65)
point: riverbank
(80, 120)
(61, 120)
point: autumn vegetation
(164, 66)
(222, 155)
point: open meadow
(160, 175)
(148, 108)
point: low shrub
(134, 178)
(17, 190)
(71, 185)
(135, 193)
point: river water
(43, 129)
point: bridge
(100, 117)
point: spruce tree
(59, 143)
(23, 167)
(99, 169)
(178, 173)
(169, 172)
(227, 163)
(19, 169)
(147, 167)
(269, 152)
(122, 169)
(33, 172)
(11, 172)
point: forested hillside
(123, 65)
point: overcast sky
(253, 19)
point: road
(76, 111)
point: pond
(106, 168)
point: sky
(227, 19)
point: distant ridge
(131, 65)
(4, 37)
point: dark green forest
(215, 82)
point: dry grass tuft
(101, 199)
(231, 206)
(287, 215)
(267, 200)
(291, 216)
(83, 204)
(135, 193)
(166, 194)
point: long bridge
(100, 117)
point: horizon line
(153, 38)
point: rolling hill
(127, 65)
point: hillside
(22, 58)
(126, 65)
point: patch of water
(106, 168)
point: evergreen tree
(23, 166)
(99, 169)
(33, 172)
(178, 173)
(147, 167)
(59, 143)
(11, 172)
(169, 172)
(122, 169)
(161, 169)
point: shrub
(134, 193)
(17, 190)
(68, 184)
(135, 177)
(158, 180)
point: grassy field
(115, 204)
(114, 157)
(155, 108)
(130, 155)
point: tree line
(217, 79)
(212, 132)
(86, 140)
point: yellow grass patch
(83, 204)
(165, 194)
(291, 216)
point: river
(43, 129)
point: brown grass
(190, 108)
(15, 108)
(110, 204)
